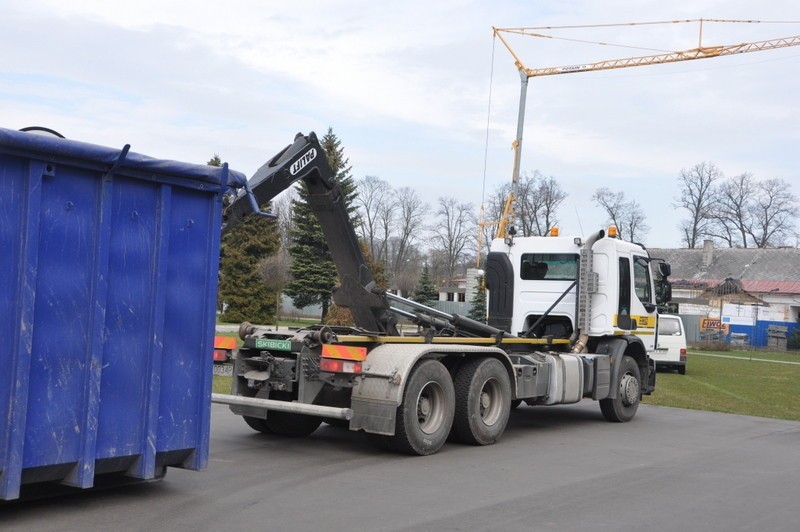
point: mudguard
(617, 347)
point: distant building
(455, 291)
(750, 290)
(462, 289)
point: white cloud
(405, 85)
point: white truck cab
(618, 287)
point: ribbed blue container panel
(108, 287)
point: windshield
(549, 267)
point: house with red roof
(754, 292)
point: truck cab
(528, 274)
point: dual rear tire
(471, 408)
(283, 423)
(483, 402)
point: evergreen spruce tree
(313, 271)
(426, 293)
(477, 309)
(241, 288)
(215, 160)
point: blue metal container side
(107, 310)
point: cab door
(643, 306)
(636, 309)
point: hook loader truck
(568, 318)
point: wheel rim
(629, 389)
(430, 407)
(491, 401)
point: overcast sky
(406, 85)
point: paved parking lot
(556, 468)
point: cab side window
(641, 280)
(624, 307)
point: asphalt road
(556, 468)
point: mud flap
(650, 385)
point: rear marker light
(683, 354)
(335, 365)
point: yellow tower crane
(700, 52)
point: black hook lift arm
(305, 160)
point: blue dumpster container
(108, 282)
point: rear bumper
(670, 363)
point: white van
(670, 349)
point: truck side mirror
(663, 291)
(664, 269)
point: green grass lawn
(735, 386)
(221, 384)
(756, 355)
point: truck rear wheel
(483, 402)
(291, 425)
(283, 423)
(425, 416)
(624, 406)
(257, 424)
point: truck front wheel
(483, 402)
(624, 406)
(425, 416)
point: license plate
(223, 369)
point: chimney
(708, 252)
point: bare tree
(627, 216)
(387, 217)
(406, 277)
(550, 195)
(774, 213)
(750, 213)
(492, 212)
(374, 195)
(410, 216)
(733, 213)
(526, 204)
(537, 201)
(697, 195)
(274, 271)
(453, 232)
(612, 202)
(282, 208)
(633, 223)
